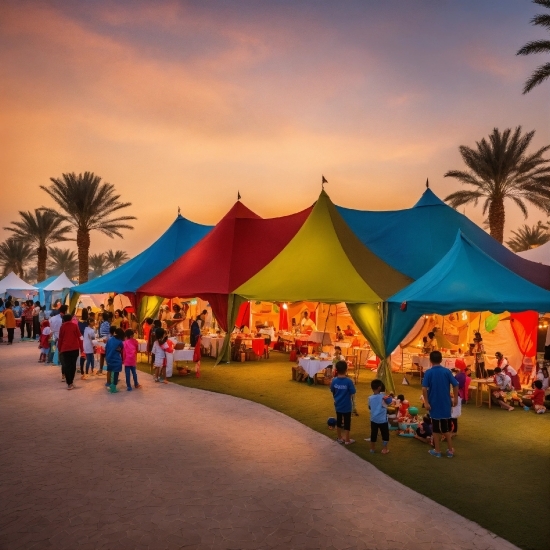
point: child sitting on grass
(424, 431)
(538, 398)
(342, 389)
(378, 416)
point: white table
(313, 366)
(183, 354)
(213, 343)
(449, 362)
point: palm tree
(88, 205)
(529, 237)
(115, 258)
(98, 264)
(63, 260)
(501, 169)
(31, 275)
(538, 46)
(40, 229)
(14, 256)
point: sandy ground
(172, 467)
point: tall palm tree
(63, 260)
(527, 237)
(88, 205)
(40, 229)
(541, 73)
(499, 169)
(115, 258)
(98, 264)
(14, 256)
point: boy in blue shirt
(113, 356)
(378, 416)
(342, 389)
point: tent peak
(239, 210)
(429, 198)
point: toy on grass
(331, 423)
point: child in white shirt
(159, 351)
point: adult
(9, 321)
(502, 362)
(17, 310)
(306, 324)
(110, 305)
(196, 328)
(117, 319)
(70, 347)
(479, 353)
(339, 334)
(27, 317)
(178, 316)
(502, 394)
(431, 343)
(2, 320)
(437, 400)
(101, 310)
(83, 323)
(57, 320)
(36, 311)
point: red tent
(239, 246)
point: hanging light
(285, 306)
(464, 316)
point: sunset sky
(184, 103)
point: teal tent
(465, 278)
(176, 241)
(41, 286)
(415, 239)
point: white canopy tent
(540, 254)
(58, 289)
(12, 285)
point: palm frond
(535, 46)
(542, 20)
(458, 198)
(527, 237)
(538, 77)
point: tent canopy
(59, 282)
(12, 284)
(178, 239)
(237, 248)
(415, 239)
(465, 278)
(539, 255)
(324, 262)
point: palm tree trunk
(496, 219)
(42, 259)
(83, 245)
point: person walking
(437, 400)
(69, 345)
(9, 321)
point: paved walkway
(172, 467)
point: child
(152, 337)
(424, 431)
(538, 398)
(455, 413)
(130, 351)
(104, 334)
(159, 353)
(88, 346)
(44, 345)
(342, 389)
(113, 356)
(378, 416)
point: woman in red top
(69, 345)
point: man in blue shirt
(437, 399)
(342, 389)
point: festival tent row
(415, 239)
(237, 248)
(539, 255)
(182, 235)
(12, 285)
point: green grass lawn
(499, 478)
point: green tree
(63, 260)
(14, 256)
(500, 168)
(115, 258)
(527, 237)
(540, 74)
(98, 264)
(88, 205)
(40, 229)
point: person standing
(36, 310)
(17, 310)
(196, 326)
(129, 357)
(27, 317)
(342, 389)
(113, 356)
(70, 346)
(479, 354)
(88, 345)
(437, 400)
(9, 321)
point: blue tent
(43, 284)
(414, 240)
(178, 239)
(465, 278)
